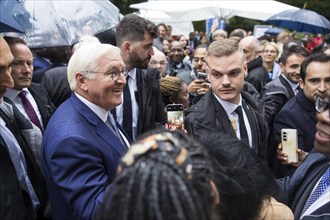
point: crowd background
(103, 100)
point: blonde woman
(269, 54)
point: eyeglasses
(154, 63)
(322, 104)
(197, 59)
(270, 51)
(114, 74)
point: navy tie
(127, 111)
(30, 110)
(319, 189)
(242, 127)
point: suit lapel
(222, 119)
(252, 122)
(287, 86)
(101, 128)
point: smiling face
(22, 66)
(226, 74)
(101, 89)
(291, 69)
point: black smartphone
(201, 75)
(175, 116)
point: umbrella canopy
(61, 23)
(274, 30)
(301, 20)
(8, 23)
(202, 10)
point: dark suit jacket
(80, 155)
(45, 105)
(300, 185)
(56, 83)
(149, 99)
(209, 115)
(17, 123)
(298, 113)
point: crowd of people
(85, 135)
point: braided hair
(163, 176)
(170, 87)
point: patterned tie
(127, 111)
(319, 189)
(242, 127)
(111, 123)
(30, 110)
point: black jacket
(209, 115)
(16, 122)
(257, 74)
(149, 99)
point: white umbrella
(202, 10)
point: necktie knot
(30, 111)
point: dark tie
(30, 110)
(319, 189)
(242, 127)
(127, 111)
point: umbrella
(50, 23)
(8, 23)
(274, 31)
(301, 20)
(190, 10)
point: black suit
(149, 100)
(45, 105)
(16, 123)
(298, 187)
(56, 83)
(209, 115)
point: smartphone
(289, 139)
(175, 116)
(201, 75)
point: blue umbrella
(274, 30)
(301, 20)
(7, 21)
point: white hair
(86, 59)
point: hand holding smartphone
(175, 116)
(289, 139)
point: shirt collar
(293, 85)
(13, 93)
(101, 112)
(228, 106)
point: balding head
(251, 47)
(6, 58)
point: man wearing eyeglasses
(82, 143)
(299, 112)
(308, 190)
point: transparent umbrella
(61, 23)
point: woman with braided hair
(174, 90)
(166, 175)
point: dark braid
(163, 176)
